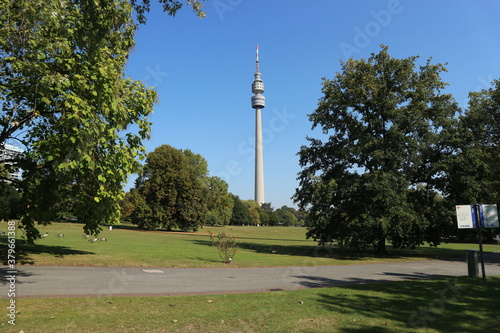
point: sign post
(477, 217)
(480, 215)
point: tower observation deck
(258, 100)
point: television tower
(258, 103)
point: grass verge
(259, 247)
(441, 305)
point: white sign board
(490, 216)
(466, 216)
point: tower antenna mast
(257, 66)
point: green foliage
(131, 201)
(286, 216)
(175, 191)
(241, 214)
(225, 244)
(387, 127)
(263, 217)
(62, 81)
(254, 210)
(172, 192)
(473, 170)
(272, 218)
(10, 203)
(219, 204)
(142, 7)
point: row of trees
(249, 212)
(174, 191)
(397, 155)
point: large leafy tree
(65, 99)
(386, 124)
(171, 189)
(174, 180)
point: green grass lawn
(442, 305)
(259, 247)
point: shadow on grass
(126, 227)
(274, 239)
(23, 252)
(338, 253)
(446, 305)
(131, 227)
(291, 250)
(206, 260)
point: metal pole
(478, 221)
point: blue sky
(203, 69)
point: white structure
(7, 153)
(258, 103)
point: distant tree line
(248, 212)
(174, 191)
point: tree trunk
(381, 246)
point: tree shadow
(446, 305)
(274, 239)
(23, 252)
(206, 259)
(290, 250)
(309, 281)
(127, 227)
(340, 253)
(6, 273)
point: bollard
(472, 265)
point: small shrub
(225, 244)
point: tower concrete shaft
(259, 159)
(258, 103)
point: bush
(225, 244)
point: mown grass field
(259, 247)
(443, 305)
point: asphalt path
(57, 281)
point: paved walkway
(43, 281)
